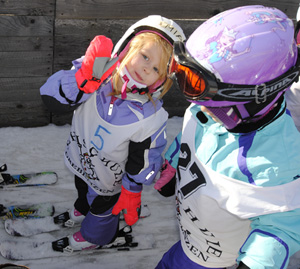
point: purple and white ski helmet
(248, 45)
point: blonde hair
(135, 47)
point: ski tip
(34, 179)
(3, 167)
(8, 228)
(6, 251)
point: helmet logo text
(258, 92)
(171, 29)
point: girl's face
(144, 66)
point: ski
(30, 227)
(16, 250)
(26, 211)
(27, 179)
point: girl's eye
(156, 70)
(145, 57)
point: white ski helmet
(165, 28)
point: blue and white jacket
(237, 195)
(112, 141)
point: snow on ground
(41, 149)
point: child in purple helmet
(234, 168)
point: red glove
(131, 202)
(96, 65)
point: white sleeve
(293, 102)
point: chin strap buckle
(141, 91)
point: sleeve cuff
(130, 185)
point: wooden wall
(40, 37)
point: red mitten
(96, 65)
(131, 203)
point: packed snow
(26, 150)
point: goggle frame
(219, 91)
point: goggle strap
(259, 93)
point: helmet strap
(129, 82)
(262, 121)
(235, 123)
(226, 115)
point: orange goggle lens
(190, 81)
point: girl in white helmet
(118, 130)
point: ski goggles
(193, 80)
(199, 84)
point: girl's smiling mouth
(138, 76)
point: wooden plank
(21, 89)
(72, 37)
(26, 64)
(26, 26)
(61, 119)
(26, 43)
(21, 104)
(33, 113)
(28, 7)
(26, 52)
(29, 114)
(188, 9)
